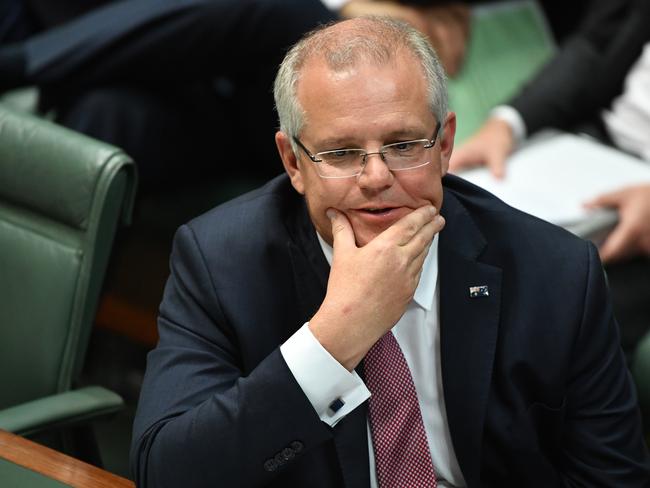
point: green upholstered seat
(62, 196)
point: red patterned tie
(402, 454)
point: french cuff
(332, 390)
(334, 5)
(513, 118)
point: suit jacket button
(297, 446)
(270, 465)
(288, 454)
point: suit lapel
(311, 271)
(310, 268)
(468, 333)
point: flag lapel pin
(478, 291)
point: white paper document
(554, 174)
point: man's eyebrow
(336, 143)
(408, 133)
(403, 134)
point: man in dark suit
(172, 72)
(488, 348)
(580, 90)
(572, 89)
(159, 77)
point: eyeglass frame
(364, 155)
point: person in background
(160, 78)
(598, 84)
(578, 89)
(366, 320)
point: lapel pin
(478, 291)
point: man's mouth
(377, 211)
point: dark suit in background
(536, 388)
(570, 94)
(178, 75)
(589, 69)
(183, 75)
(183, 86)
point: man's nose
(375, 173)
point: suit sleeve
(201, 421)
(161, 41)
(603, 442)
(565, 90)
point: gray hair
(376, 39)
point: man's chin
(367, 226)
(365, 236)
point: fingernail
(439, 219)
(330, 213)
(433, 210)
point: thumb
(342, 233)
(616, 245)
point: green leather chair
(62, 196)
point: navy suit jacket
(536, 389)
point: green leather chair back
(62, 196)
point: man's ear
(447, 141)
(289, 161)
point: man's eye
(403, 146)
(339, 154)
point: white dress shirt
(323, 379)
(628, 121)
(513, 118)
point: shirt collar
(425, 292)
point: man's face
(366, 107)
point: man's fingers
(464, 157)
(342, 233)
(496, 162)
(423, 238)
(612, 199)
(405, 229)
(617, 245)
(418, 261)
(474, 154)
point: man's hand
(369, 287)
(632, 234)
(490, 147)
(447, 26)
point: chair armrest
(70, 407)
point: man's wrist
(332, 390)
(513, 119)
